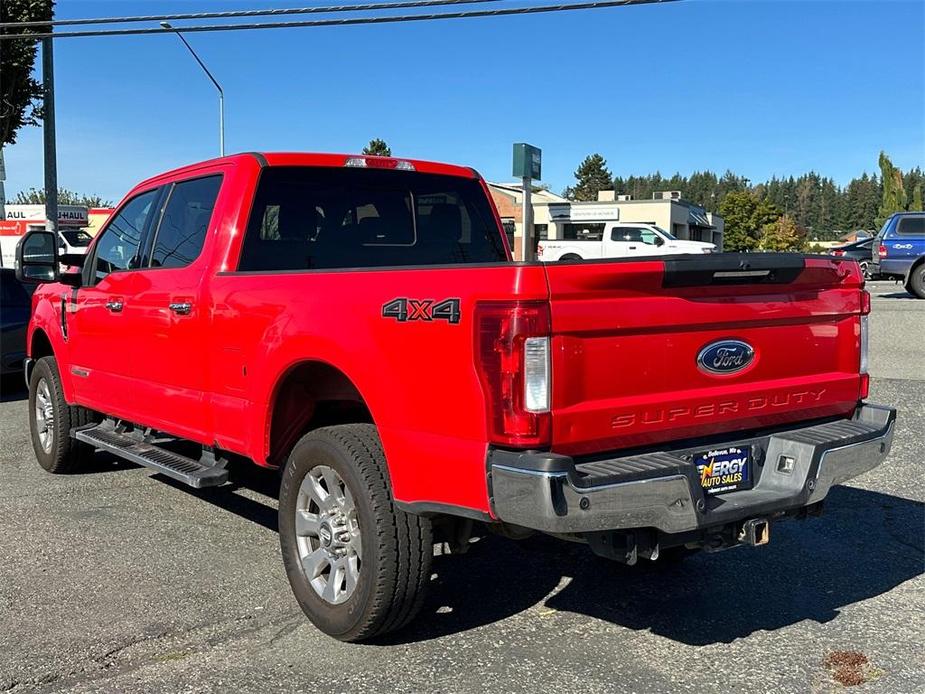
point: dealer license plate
(724, 470)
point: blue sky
(764, 87)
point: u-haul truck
(72, 238)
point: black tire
(915, 285)
(62, 454)
(570, 257)
(397, 547)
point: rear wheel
(915, 285)
(51, 420)
(357, 564)
(570, 256)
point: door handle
(181, 308)
(632, 248)
(115, 305)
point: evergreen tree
(911, 179)
(378, 147)
(592, 176)
(894, 195)
(916, 204)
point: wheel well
(919, 261)
(311, 395)
(41, 345)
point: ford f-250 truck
(358, 323)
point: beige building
(555, 217)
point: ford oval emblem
(725, 356)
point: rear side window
(182, 230)
(324, 218)
(911, 226)
(627, 234)
(118, 246)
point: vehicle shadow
(866, 545)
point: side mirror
(37, 258)
(659, 241)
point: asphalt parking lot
(118, 580)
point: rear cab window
(306, 218)
(911, 226)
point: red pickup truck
(358, 323)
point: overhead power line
(233, 14)
(348, 21)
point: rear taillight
(881, 251)
(513, 362)
(838, 251)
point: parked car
(860, 251)
(15, 307)
(899, 251)
(621, 240)
(357, 321)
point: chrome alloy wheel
(328, 535)
(44, 415)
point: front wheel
(357, 565)
(51, 420)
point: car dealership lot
(118, 580)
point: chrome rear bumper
(661, 490)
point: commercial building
(555, 217)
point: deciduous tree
(745, 216)
(36, 196)
(782, 235)
(20, 92)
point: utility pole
(48, 131)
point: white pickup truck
(620, 240)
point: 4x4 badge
(404, 310)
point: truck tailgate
(627, 337)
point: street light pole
(221, 93)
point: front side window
(118, 246)
(182, 230)
(649, 237)
(322, 218)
